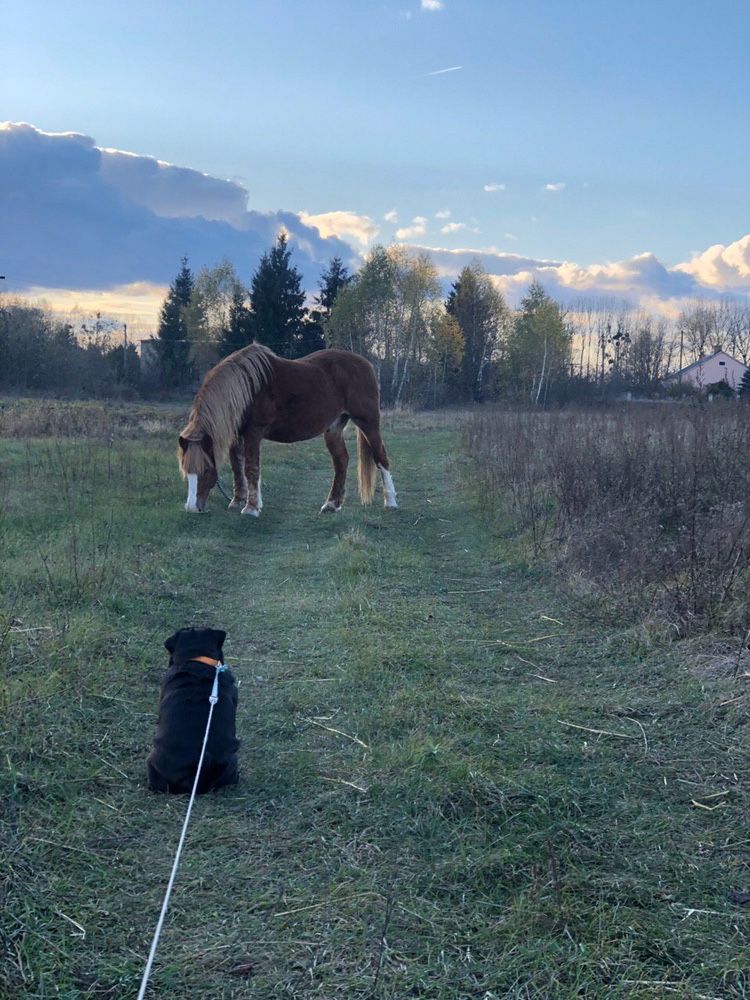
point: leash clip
(214, 696)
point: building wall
(720, 367)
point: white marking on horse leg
(252, 511)
(329, 507)
(260, 494)
(389, 490)
(191, 506)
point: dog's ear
(218, 636)
(171, 643)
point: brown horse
(254, 394)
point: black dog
(183, 714)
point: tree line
(430, 345)
(429, 348)
(39, 353)
(426, 349)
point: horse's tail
(367, 469)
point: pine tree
(481, 313)
(743, 390)
(172, 336)
(239, 329)
(332, 281)
(277, 302)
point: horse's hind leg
(239, 482)
(370, 427)
(334, 439)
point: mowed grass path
(418, 815)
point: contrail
(450, 69)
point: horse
(253, 395)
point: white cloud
(494, 186)
(444, 213)
(457, 227)
(432, 5)
(557, 186)
(418, 227)
(642, 280)
(359, 227)
(391, 216)
(511, 236)
(722, 267)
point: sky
(604, 148)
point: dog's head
(187, 643)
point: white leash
(214, 697)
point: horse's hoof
(390, 505)
(252, 511)
(330, 508)
(235, 505)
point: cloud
(726, 268)
(417, 228)
(557, 186)
(432, 5)
(360, 227)
(79, 217)
(448, 69)
(444, 213)
(137, 304)
(642, 280)
(391, 216)
(494, 186)
(457, 227)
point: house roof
(703, 360)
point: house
(710, 369)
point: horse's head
(198, 466)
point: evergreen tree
(238, 332)
(332, 281)
(172, 336)
(277, 302)
(743, 390)
(481, 313)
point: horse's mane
(221, 404)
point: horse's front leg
(239, 481)
(254, 500)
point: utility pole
(125, 352)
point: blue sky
(640, 110)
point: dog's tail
(367, 469)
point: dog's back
(183, 714)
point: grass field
(455, 783)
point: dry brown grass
(652, 504)
(40, 418)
